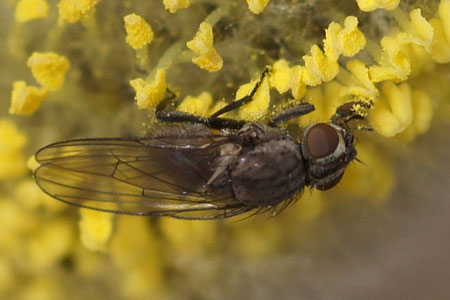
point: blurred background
(382, 233)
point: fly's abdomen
(268, 174)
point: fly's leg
(174, 116)
(292, 113)
(214, 121)
(236, 104)
(355, 110)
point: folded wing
(164, 175)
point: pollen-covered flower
(25, 100)
(28, 10)
(174, 5)
(139, 33)
(49, 69)
(73, 10)
(149, 94)
(202, 45)
(257, 6)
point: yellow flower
(257, 6)
(189, 238)
(12, 141)
(49, 244)
(440, 47)
(95, 228)
(374, 179)
(202, 45)
(197, 105)
(49, 69)
(25, 100)
(280, 76)
(393, 113)
(139, 32)
(257, 108)
(369, 5)
(73, 10)
(174, 5)
(150, 94)
(135, 250)
(28, 10)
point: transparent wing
(159, 176)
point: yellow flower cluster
(397, 108)
(319, 67)
(401, 109)
(49, 69)
(38, 235)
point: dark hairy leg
(214, 121)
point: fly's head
(328, 148)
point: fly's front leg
(355, 110)
(292, 113)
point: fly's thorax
(268, 173)
(254, 133)
(327, 149)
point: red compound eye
(321, 140)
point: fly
(206, 168)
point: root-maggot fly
(205, 168)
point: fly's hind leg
(236, 104)
(174, 116)
(214, 121)
(167, 115)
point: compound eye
(322, 140)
